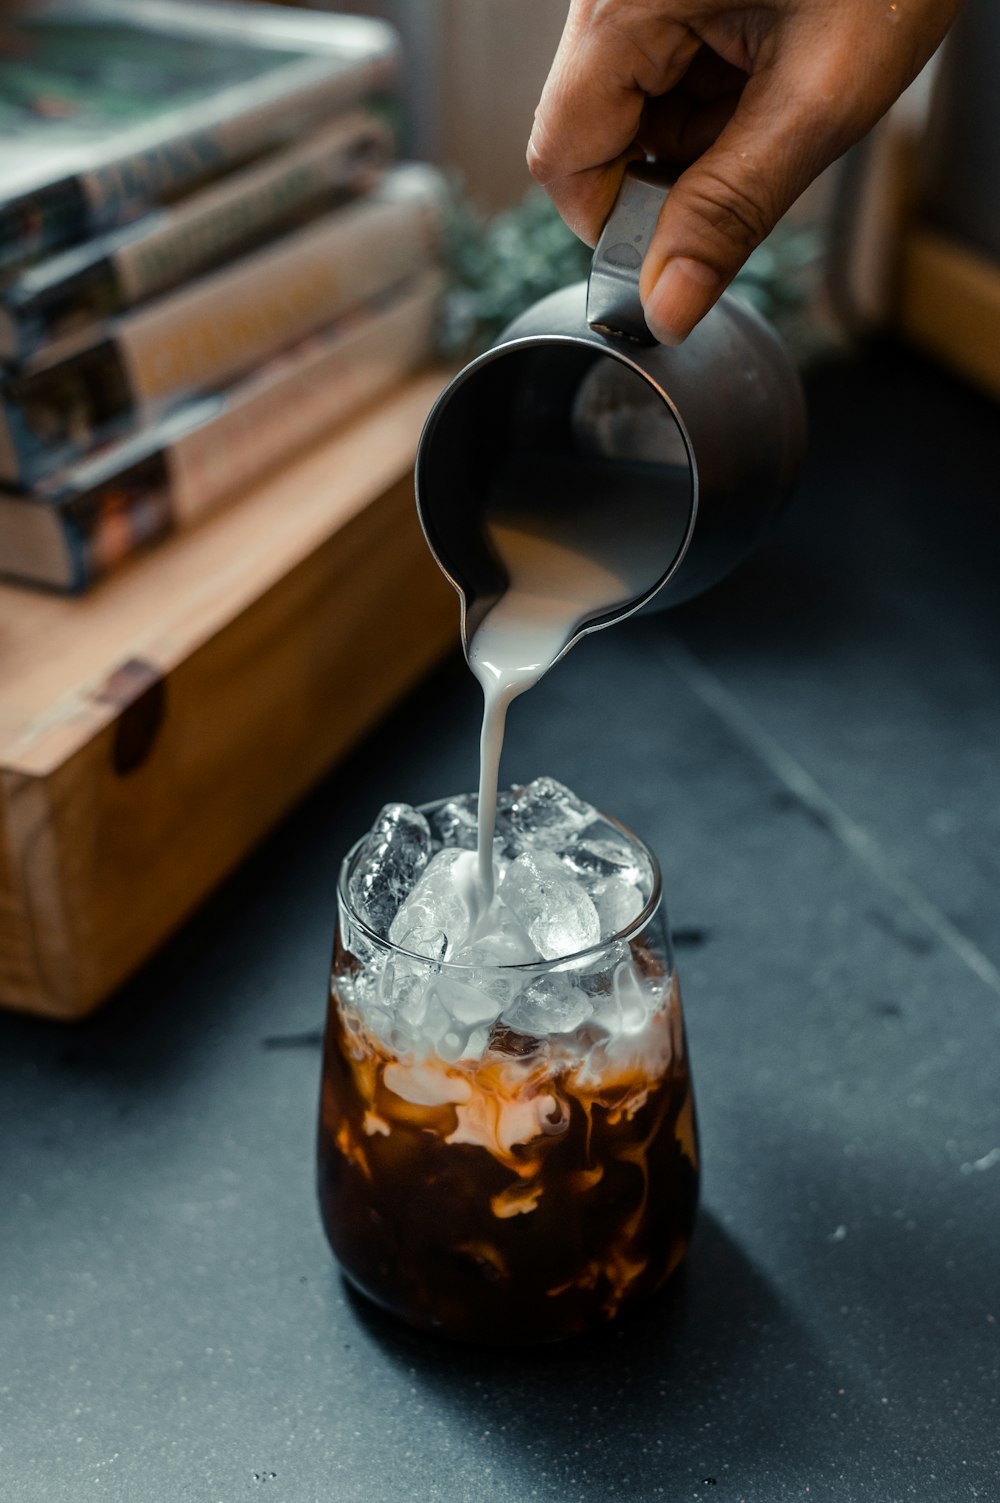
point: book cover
(74, 289)
(89, 519)
(110, 106)
(203, 335)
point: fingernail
(682, 294)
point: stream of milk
(577, 534)
(555, 584)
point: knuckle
(540, 156)
(730, 210)
(537, 162)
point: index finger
(588, 116)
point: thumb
(728, 200)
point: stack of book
(207, 258)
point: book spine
(205, 335)
(40, 221)
(162, 170)
(52, 416)
(228, 321)
(160, 163)
(126, 267)
(294, 400)
(106, 528)
(328, 378)
(235, 213)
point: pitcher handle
(613, 305)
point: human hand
(758, 98)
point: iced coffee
(507, 1146)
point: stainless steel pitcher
(692, 451)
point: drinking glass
(507, 1183)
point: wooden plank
(192, 707)
(33, 970)
(21, 981)
(949, 305)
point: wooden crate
(152, 732)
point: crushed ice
(568, 881)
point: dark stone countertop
(814, 751)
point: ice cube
(403, 987)
(455, 823)
(395, 852)
(435, 1022)
(545, 813)
(617, 903)
(477, 1043)
(420, 939)
(596, 976)
(465, 1000)
(550, 902)
(502, 939)
(499, 986)
(599, 856)
(364, 1007)
(435, 903)
(551, 1004)
(378, 1021)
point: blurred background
(471, 80)
(242, 248)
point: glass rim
(629, 932)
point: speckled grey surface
(813, 751)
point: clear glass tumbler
(507, 1185)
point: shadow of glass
(704, 1382)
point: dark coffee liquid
(567, 1190)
